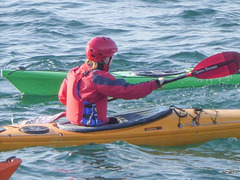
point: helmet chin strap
(108, 61)
(105, 64)
(102, 66)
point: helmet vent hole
(100, 54)
(91, 50)
(92, 55)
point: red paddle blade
(218, 65)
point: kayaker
(86, 89)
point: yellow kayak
(156, 126)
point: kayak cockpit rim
(125, 120)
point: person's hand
(160, 82)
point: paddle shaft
(175, 79)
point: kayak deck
(46, 83)
(179, 127)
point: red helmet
(99, 48)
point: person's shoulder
(104, 74)
(79, 69)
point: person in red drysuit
(86, 89)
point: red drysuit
(95, 86)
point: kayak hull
(165, 131)
(47, 83)
(7, 168)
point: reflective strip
(78, 89)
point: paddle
(216, 66)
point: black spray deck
(125, 120)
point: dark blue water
(150, 34)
